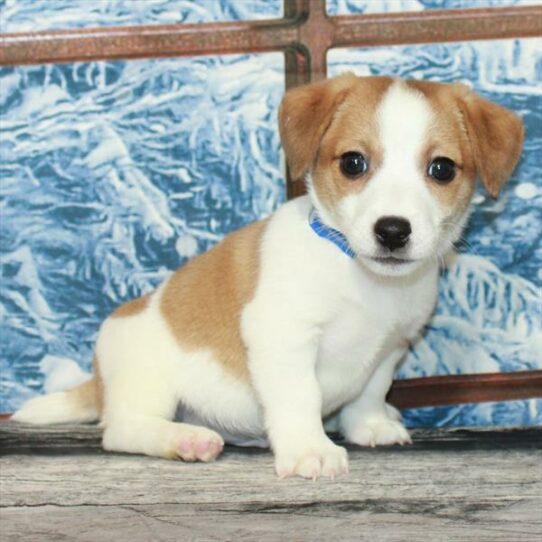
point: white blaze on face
(398, 187)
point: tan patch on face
(447, 138)
(354, 128)
(305, 114)
(496, 136)
(479, 136)
(488, 137)
(202, 302)
(132, 307)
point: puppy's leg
(369, 420)
(284, 376)
(137, 419)
(138, 409)
(139, 366)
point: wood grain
(460, 485)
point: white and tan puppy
(305, 315)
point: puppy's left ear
(496, 136)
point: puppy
(304, 316)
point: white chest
(364, 330)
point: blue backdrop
(115, 173)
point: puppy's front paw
(328, 460)
(379, 431)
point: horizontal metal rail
(459, 389)
(305, 28)
(470, 388)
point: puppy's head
(392, 164)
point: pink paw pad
(199, 447)
(186, 445)
(209, 450)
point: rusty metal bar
(297, 57)
(458, 389)
(305, 27)
(472, 388)
(438, 26)
(138, 42)
(157, 41)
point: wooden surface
(57, 484)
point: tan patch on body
(90, 394)
(132, 307)
(87, 396)
(98, 385)
(202, 302)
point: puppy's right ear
(304, 116)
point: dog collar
(335, 236)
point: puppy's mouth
(391, 260)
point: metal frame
(305, 34)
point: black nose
(392, 231)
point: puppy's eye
(442, 169)
(353, 164)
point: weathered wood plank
(387, 522)
(448, 485)
(69, 438)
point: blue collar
(335, 236)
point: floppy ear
(304, 116)
(496, 136)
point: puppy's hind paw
(198, 444)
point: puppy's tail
(80, 404)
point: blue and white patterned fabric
(115, 173)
